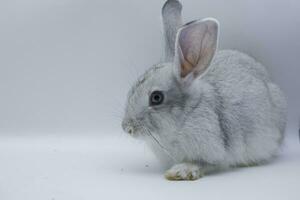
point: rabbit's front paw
(184, 171)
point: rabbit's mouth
(134, 129)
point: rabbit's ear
(196, 45)
(171, 16)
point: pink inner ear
(186, 68)
(190, 42)
(196, 47)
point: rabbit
(202, 109)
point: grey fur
(171, 15)
(230, 115)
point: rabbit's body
(203, 109)
(244, 111)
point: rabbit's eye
(156, 98)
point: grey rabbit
(204, 110)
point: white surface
(77, 168)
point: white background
(66, 65)
(65, 69)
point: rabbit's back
(251, 108)
(231, 65)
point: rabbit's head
(160, 99)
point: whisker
(156, 140)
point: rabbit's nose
(129, 130)
(127, 127)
